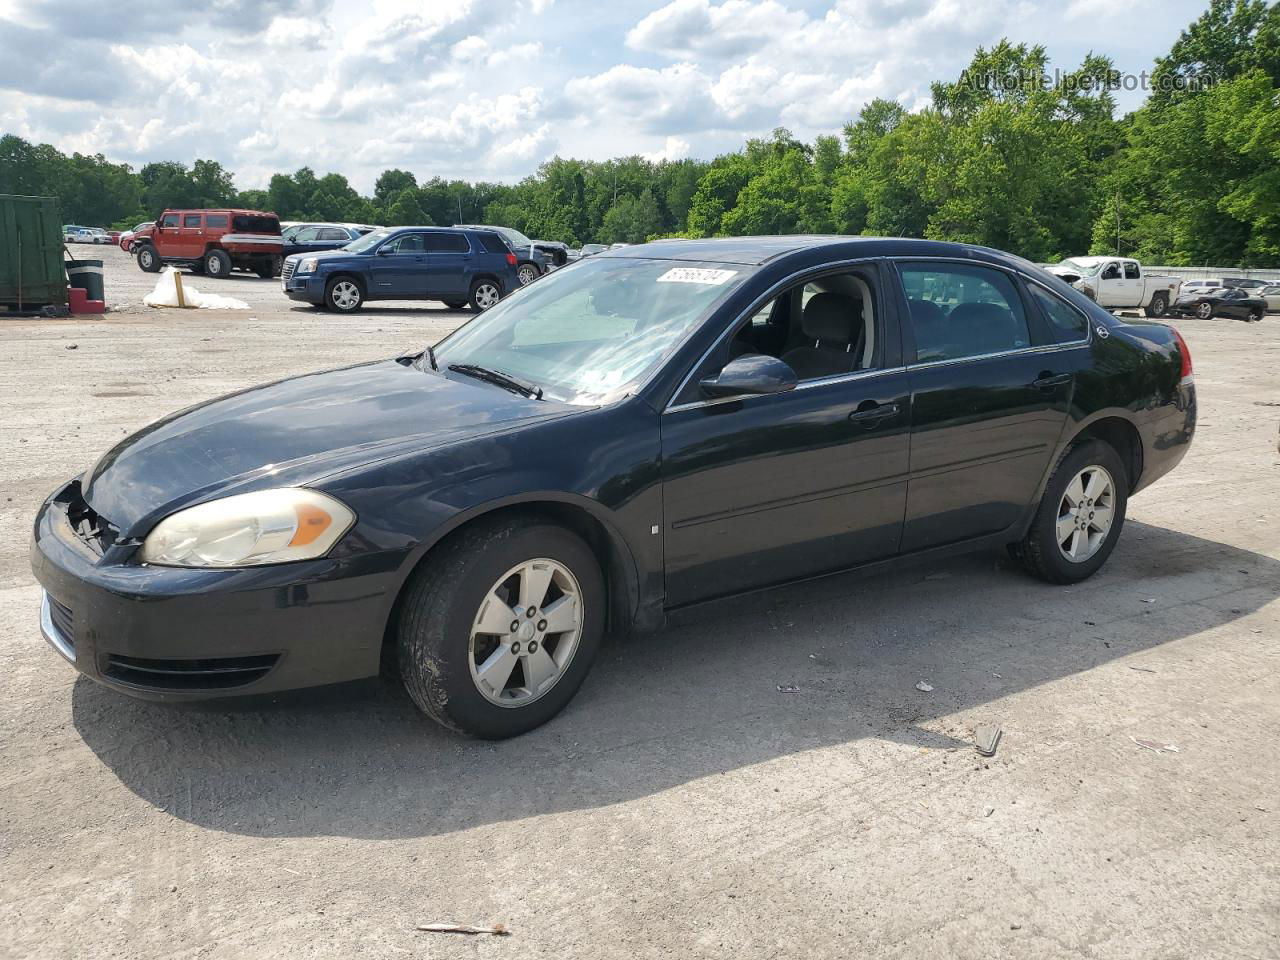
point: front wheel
(148, 259)
(1080, 515)
(343, 294)
(484, 294)
(1158, 306)
(455, 304)
(498, 630)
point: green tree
(404, 210)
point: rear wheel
(455, 304)
(1158, 306)
(1255, 315)
(527, 273)
(484, 294)
(1080, 515)
(343, 294)
(217, 263)
(1205, 311)
(498, 630)
(148, 259)
(267, 269)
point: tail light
(1186, 354)
(511, 259)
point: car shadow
(816, 665)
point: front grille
(63, 621)
(210, 673)
(287, 270)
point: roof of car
(754, 251)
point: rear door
(1132, 286)
(449, 259)
(990, 389)
(190, 236)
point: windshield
(1087, 270)
(368, 241)
(593, 331)
(514, 236)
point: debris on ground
(788, 688)
(1149, 600)
(497, 930)
(1155, 745)
(171, 291)
(988, 811)
(1141, 669)
(987, 738)
(924, 687)
(73, 346)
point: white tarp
(166, 295)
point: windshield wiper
(499, 379)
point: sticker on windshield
(697, 275)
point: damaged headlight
(308, 264)
(249, 529)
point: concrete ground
(763, 781)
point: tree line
(1005, 155)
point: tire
(216, 264)
(1255, 316)
(1158, 306)
(527, 273)
(1091, 295)
(1041, 551)
(343, 294)
(484, 294)
(148, 259)
(1204, 311)
(268, 268)
(455, 304)
(440, 655)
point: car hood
(321, 254)
(293, 433)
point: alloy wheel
(526, 632)
(486, 296)
(1204, 311)
(527, 274)
(345, 295)
(1085, 514)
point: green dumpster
(87, 275)
(31, 271)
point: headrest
(980, 314)
(831, 316)
(926, 312)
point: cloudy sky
(487, 89)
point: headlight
(270, 526)
(308, 264)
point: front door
(764, 489)
(990, 389)
(399, 268)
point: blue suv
(458, 267)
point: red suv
(213, 242)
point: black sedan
(654, 428)
(316, 237)
(1221, 302)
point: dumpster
(87, 275)
(31, 272)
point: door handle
(1049, 381)
(874, 414)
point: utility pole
(1117, 223)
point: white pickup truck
(1119, 282)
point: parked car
(532, 262)
(99, 236)
(1115, 282)
(672, 424)
(456, 266)
(126, 238)
(314, 237)
(1222, 302)
(557, 251)
(1211, 283)
(75, 234)
(1271, 295)
(1244, 283)
(213, 242)
(591, 249)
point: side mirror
(751, 374)
(385, 251)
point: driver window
(824, 327)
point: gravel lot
(763, 780)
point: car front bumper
(306, 287)
(166, 633)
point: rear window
(191, 219)
(447, 243)
(493, 243)
(243, 223)
(215, 220)
(333, 233)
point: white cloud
(675, 148)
